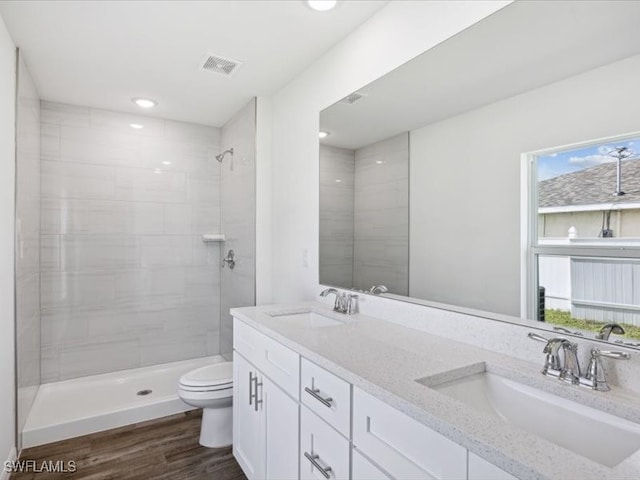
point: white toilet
(211, 388)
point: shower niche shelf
(213, 237)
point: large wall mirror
(423, 172)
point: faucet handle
(352, 304)
(610, 354)
(596, 377)
(537, 338)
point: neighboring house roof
(594, 185)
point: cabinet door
(248, 431)
(363, 469)
(281, 432)
(324, 453)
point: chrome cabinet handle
(314, 461)
(250, 387)
(255, 393)
(314, 392)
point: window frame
(531, 248)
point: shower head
(220, 156)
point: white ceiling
(521, 47)
(102, 53)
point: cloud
(591, 160)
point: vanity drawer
(321, 447)
(326, 395)
(363, 469)
(480, 469)
(402, 446)
(274, 360)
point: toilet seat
(210, 378)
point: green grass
(564, 319)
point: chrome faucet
(345, 303)
(378, 289)
(608, 329)
(569, 370)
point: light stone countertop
(385, 360)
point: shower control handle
(230, 260)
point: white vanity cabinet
(294, 419)
(265, 416)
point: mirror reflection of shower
(220, 157)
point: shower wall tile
(63, 114)
(381, 220)
(166, 250)
(72, 216)
(151, 185)
(336, 215)
(49, 142)
(99, 356)
(127, 280)
(238, 203)
(27, 265)
(90, 253)
(75, 180)
(49, 252)
(192, 218)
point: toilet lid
(217, 374)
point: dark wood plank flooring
(162, 449)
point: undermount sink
(599, 436)
(306, 318)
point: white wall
(7, 205)
(238, 210)
(397, 33)
(263, 199)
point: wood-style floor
(162, 449)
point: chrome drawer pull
(315, 394)
(250, 387)
(314, 461)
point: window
(582, 231)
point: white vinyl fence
(592, 288)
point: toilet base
(217, 427)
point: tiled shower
(115, 207)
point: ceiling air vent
(353, 98)
(221, 65)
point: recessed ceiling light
(157, 170)
(322, 134)
(144, 102)
(338, 180)
(166, 162)
(137, 126)
(379, 162)
(322, 5)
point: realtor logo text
(51, 466)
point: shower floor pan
(92, 404)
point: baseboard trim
(12, 458)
